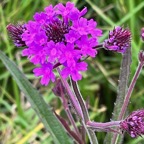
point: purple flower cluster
(134, 123)
(119, 40)
(60, 35)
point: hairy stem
(72, 122)
(121, 92)
(81, 101)
(68, 112)
(99, 125)
(127, 97)
(86, 118)
(71, 96)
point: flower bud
(15, 32)
(134, 123)
(141, 56)
(58, 89)
(119, 40)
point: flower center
(56, 30)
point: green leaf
(43, 110)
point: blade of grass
(130, 14)
(132, 19)
(15, 88)
(109, 21)
(100, 13)
(29, 134)
(43, 110)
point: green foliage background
(18, 122)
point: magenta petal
(76, 76)
(46, 72)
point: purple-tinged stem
(130, 89)
(56, 65)
(98, 46)
(76, 106)
(127, 97)
(68, 112)
(72, 97)
(86, 118)
(99, 125)
(104, 127)
(72, 122)
(81, 101)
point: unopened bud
(134, 123)
(119, 40)
(141, 56)
(15, 32)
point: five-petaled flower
(61, 35)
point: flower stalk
(103, 126)
(59, 90)
(86, 118)
(130, 89)
(72, 97)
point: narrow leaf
(42, 109)
(100, 13)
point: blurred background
(18, 122)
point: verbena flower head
(61, 35)
(134, 123)
(119, 40)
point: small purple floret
(46, 72)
